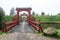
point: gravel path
(24, 36)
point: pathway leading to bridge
(23, 27)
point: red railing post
(39, 26)
(5, 28)
(6, 25)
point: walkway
(23, 27)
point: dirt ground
(25, 36)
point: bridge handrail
(9, 26)
(34, 22)
(36, 25)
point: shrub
(1, 18)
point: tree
(42, 13)
(2, 14)
(58, 13)
(33, 13)
(36, 14)
(12, 12)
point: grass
(58, 34)
(51, 19)
(48, 18)
(1, 33)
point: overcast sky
(48, 6)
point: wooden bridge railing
(35, 25)
(9, 26)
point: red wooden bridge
(18, 26)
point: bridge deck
(23, 27)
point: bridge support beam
(18, 17)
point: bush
(1, 18)
(8, 18)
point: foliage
(42, 13)
(33, 13)
(8, 18)
(2, 14)
(58, 13)
(58, 32)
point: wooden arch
(23, 9)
